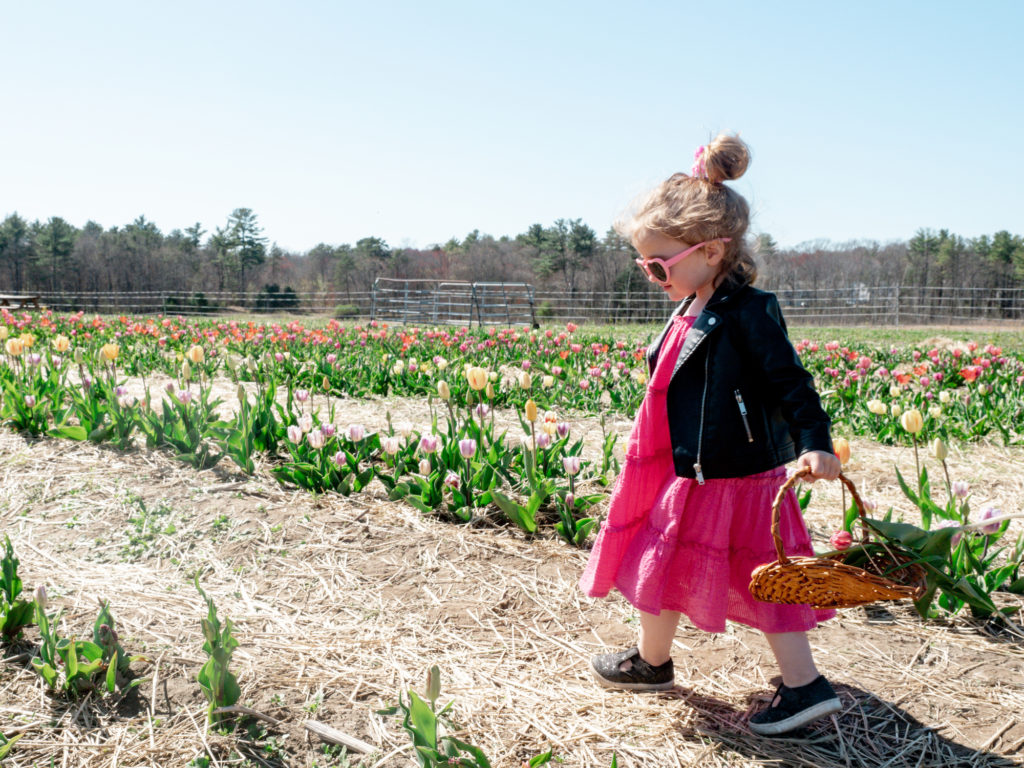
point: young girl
(727, 405)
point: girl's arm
(789, 383)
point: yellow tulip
(195, 354)
(28, 340)
(549, 381)
(842, 447)
(61, 344)
(4, 332)
(935, 411)
(525, 380)
(945, 397)
(894, 391)
(912, 421)
(939, 450)
(489, 391)
(896, 409)
(531, 410)
(15, 347)
(443, 390)
(109, 352)
(877, 407)
(477, 378)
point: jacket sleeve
(788, 382)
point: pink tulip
(841, 540)
(467, 448)
(987, 514)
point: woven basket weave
(827, 582)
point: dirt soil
(342, 603)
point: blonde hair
(694, 209)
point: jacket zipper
(700, 433)
(743, 413)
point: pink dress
(669, 543)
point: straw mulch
(341, 603)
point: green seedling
(219, 685)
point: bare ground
(340, 603)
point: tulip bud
(241, 394)
(451, 480)
(306, 422)
(4, 332)
(525, 380)
(896, 410)
(424, 466)
(326, 384)
(912, 421)
(939, 450)
(79, 355)
(489, 391)
(316, 439)
(945, 397)
(40, 593)
(294, 433)
(894, 390)
(543, 440)
(842, 448)
(570, 501)
(549, 381)
(877, 407)
(467, 448)
(443, 390)
(186, 371)
(841, 540)
(391, 444)
(531, 410)
(987, 514)
(477, 378)
(961, 488)
(433, 684)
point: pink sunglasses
(657, 269)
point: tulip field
(217, 530)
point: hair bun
(726, 158)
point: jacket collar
(706, 322)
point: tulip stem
(949, 485)
(917, 463)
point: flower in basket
(841, 540)
(842, 447)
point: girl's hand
(824, 466)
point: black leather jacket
(740, 401)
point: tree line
(55, 257)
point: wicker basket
(828, 582)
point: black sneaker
(628, 671)
(794, 707)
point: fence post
(897, 312)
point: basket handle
(793, 480)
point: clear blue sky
(418, 121)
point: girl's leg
(793, 653)
(656, 634)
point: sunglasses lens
(657, 271)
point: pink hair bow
(700, 166)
